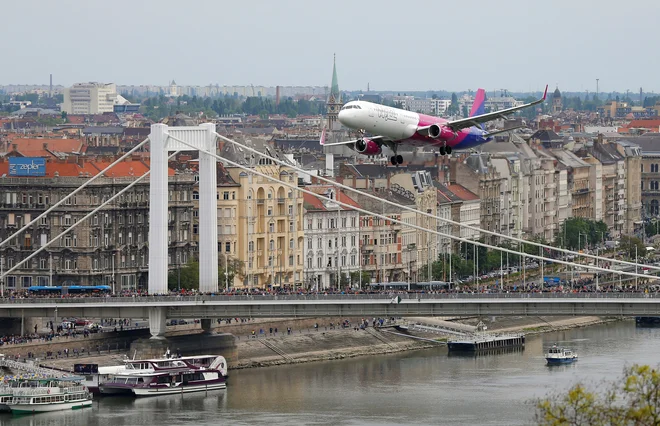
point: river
(418, 388)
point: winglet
(546, 92)
(322, 140)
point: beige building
(89, 98)
(419, 247)
(268, 235)
(632, 180)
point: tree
(355, 278)
(185, 277)
(632, 400)
(627, 245)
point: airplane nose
(341, 116)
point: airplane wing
(497, 132)
(483, 118)
(322, 141)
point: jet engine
(368, 147)
(434, 131)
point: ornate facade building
(332, 237)
(264, 229)
(108, 248)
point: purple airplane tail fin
(479, 102)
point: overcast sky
(402, 45)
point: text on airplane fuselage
(386, 114)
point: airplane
(393, 127)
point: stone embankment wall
(106, 342)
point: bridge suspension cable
(452, 222)
(419, 228)
(72, 193)
(87, 216)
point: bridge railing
(320, 297)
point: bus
(71, 289)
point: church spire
(334, 99)
(334, 88)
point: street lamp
(226, 274)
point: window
(291, 228)
(291, 260)
(251, 246)
(319, 243)
(290, 210)
(271, 245)
(195, 195)
(291, 243)
(271, 227)
(67, 220)
(270, 212)
(309, 244)
(225, 195)
(227, 247)
(309, 263)
(319, 224)
(309, 223)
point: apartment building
(332, 237)
(89, 98)
(110, 247)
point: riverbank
(307, 343)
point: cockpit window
(345, 107)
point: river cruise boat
(557, 355)
(94, 375)
(40, 396)
(168, 376)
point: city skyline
(294, 46)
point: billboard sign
(27, 166)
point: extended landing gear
(396, 160)
(445, 150)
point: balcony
(280, 201)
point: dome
(557, 93)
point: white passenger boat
(557, 355)
(40, 396)
(169, 376)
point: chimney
(45, 146)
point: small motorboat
(557, 355)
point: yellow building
(264, 225)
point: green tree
(632, 400)
(185, 277)
(627, 245)
(355, 278)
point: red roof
(316, 203)
(40, 147)
(73, 169)
(75, 119)
(462, 192)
